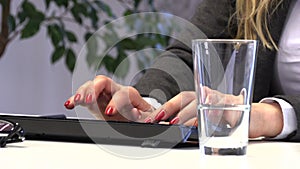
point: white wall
(31, 84)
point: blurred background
(41, 39)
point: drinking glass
(224, 76)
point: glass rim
(225, 40)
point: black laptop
(61, 128)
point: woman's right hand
(108, 100)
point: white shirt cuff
(289, 117)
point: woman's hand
(108, 100)
(182, 109)
(185, 106)
(265, 118)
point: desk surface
(65, 155)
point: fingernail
(174, 120)
(77, 97)
(67, 103)
(148, 120)
(109, 111)
(88, 99)
(160, 115)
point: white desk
(63, 155)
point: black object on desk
(60, 128)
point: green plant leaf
(123, 69)
(29, 20)
(92, 48)
(30, 29)
(61, 3)
(94, 17)
(121, 64)
(146, 40)
(76, 14)
(55, 33)
(128, 12)
(47, 3)
(35, 19)
(104, 7)
(71, 36)
(57, 54)
(163, 40)
(109, 63)
(79, 9)
(87, 36)
(28, 8)
(21, 16)
(11, 23)
(128, 44)
(70, 59)
(38, 16)
(110, 37)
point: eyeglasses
(10, 132)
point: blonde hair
(252, 20)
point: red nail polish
(148, 120)
(67, 103)
(109, 111)
(77, 97)
(160, 115)
(88, 99)
(174, 120)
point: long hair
(252, 20)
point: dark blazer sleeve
(172, 72)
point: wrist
(273, 119)
(266, 120)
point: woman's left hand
(265, 118)
(181, 108)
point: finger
(103, 84)
(144, 115)
(171, 107)
(204, 92)
(96, 94)
(138, 102)
(85, 94)
(187, 113)
(192, 122)
(69, 104)
(89, 97)
(129, 96)
(128, 102)
(141, 115)
(79, 97)
(95, 111)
